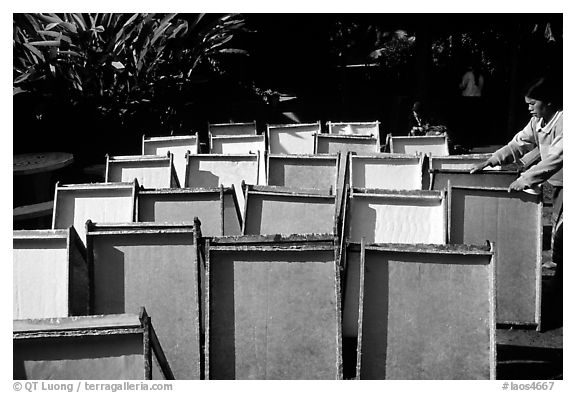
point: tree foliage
(357, 42)
(118, 61)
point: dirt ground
(524, 353)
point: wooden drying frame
(221, 191)
(376, 123)
(537, 268)
(387, 156)
(314, 157)
(151, 139)
(291, 126)
(216, 125)
(144, 158)
(221, 157)
(285, 192)
(430, 249)
(350, 192)
(99, 325)
(72, 240)
(138, 228)
(275, 243)
(403, 194)
(96, 186)
(242, 137)
(134, 228)
(433, 173)
(390, 141)
(351, 137)
(477, 156)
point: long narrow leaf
(21, 78)
(234, 51)
(197, 21)
(29, 76)
(158, 33)
(69, 26)
(181, 28)
(53, 34)
(67, 17)
(45, 43)
(35, 51)
(47, 18)
(69, 52)
(29, 58)
(124, 30)
(55, 16)
(166, 20)
(164, 24)
(80, 22)
(32, 26)
(129, 21)
(65, 38)
(105, 22)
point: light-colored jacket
(469, 87)
(549, 139)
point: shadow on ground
(529, 354)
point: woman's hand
(481, 166)
(518, 185)
(416, 131)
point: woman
(545, 131)
(418, 120)
(472, 82)
(472, 113)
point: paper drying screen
(384, 220)
(273, 315)
(40, 279)
(426, 316)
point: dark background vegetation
(92, 84)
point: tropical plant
(354, 41)
(118, 61)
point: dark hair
(546, 89)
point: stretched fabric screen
(514, 222)
(333, 143)
(269, 211)
(150, 171)
(382, 216)
(430, 145)
(217, 208)
(156, 267)
(408, 217)
(242, 144)
(273, 309)
(426, 312)
(75, 204)
(386, 171)
(232, 129)
(214, 170)
(102, 347)
(292, 138)
(356, 128)
(439, 178)
(303, 171)
(50, 274)
(177, 145)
